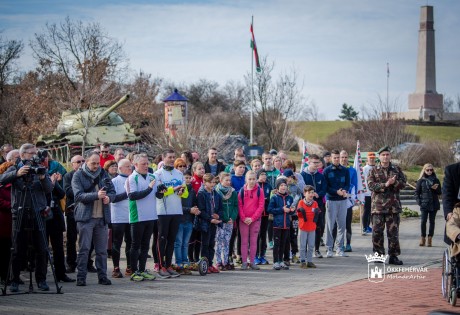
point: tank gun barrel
(105, 113)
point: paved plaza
(264, 289)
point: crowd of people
(188, 209)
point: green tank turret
(91, 127)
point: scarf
(309, 203)
(168, 168)
(92, 175)
(225, 192)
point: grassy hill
(317, 131)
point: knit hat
(288, 172)
(280, 180)
(260, 172)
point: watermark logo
(376, 267)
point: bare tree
(87, 61)
(312, 112)
(277, 102)
(10, 51)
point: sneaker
(348, 248)
(221, 266)
(116, 273)
(212, 269)
(156, 267)
(287, 262)
(364, 232)
(284, 266)
(173, 273)
(163, 273)
(14, 287)
(263, 261)
(136, 276)
(270, 245)
(228, 267)
(257, 261)
(43, 286)
(128, 272)
(322, 242)
(146, 275)
(276, 266)
(238, 260)
(244, 266)
(254, 267)
(369, 229)
(303, 265)
(104, 281)
(318, 254)
(295, 259)
(329, 254)
(81, 283)
(311, 265)
(340, 253)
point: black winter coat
(427, 197)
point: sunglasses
(79, 162)
(429, 170)
(181, 165)
(104, 151)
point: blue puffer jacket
(86, 194)
(281, 219)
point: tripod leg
(14, 241)
(41, 228)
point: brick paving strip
(402, 296)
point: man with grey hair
(28, 200)
(119, 154)
(119, 214)
(93, 191)
(12, 156)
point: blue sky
(339, 48)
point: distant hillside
(317, 131)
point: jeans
(431, 215)
(208, 241)
(94, 231)
(71, 242)
(367, 212)
(120, 230)
(181, 244)
(141, 232)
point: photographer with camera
(93, 192)
(30, 184)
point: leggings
(120, 230)
(168, 225)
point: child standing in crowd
(210, 205)
(195, 238)
(262, 241)
(237, 179)
(190, 210)
(229, 216)
(292, 249)
(281, 206)
(251, 200)
(256, 165)
(307, 212)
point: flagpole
(251, 126)
(388, 83)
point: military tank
(89, 128)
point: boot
(422, 241)
(430, 238)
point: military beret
(384, 148)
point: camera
(35, 163)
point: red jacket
(253, 206)
(309, 225)
(196, 183)
(5, 211)
(110, 157)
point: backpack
(241, 194)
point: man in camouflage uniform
(385, 181)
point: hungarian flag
(305, 157)
(254, 47)
(361, 190)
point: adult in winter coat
(427, 196)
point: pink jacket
(253, 206)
